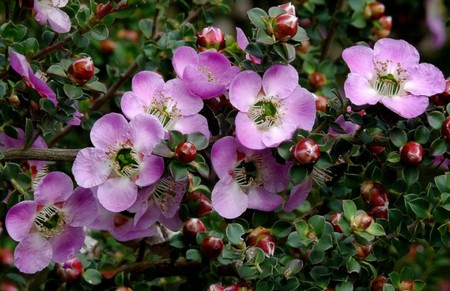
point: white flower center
(126, 162)
(49, 220)
(266, 112)
(165, 109)
(247, 172)
(389, 78)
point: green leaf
(344, 286)
(11, 131)
(177, 241)
(318, 224)
(441, 183)
(100, 32)
(146, 26)
(349, 208)
(29, 132)
(234, 232)
(73, 92)
(435, 119)
(263, 37)
(265, 285)
(393, 157)
(419, 206)
(193, 255)
(198, 139)
(96, 86)
(254, 50)
(301, 35)
(358, 20)
(275, 11)
(357, 5)
(375, 229)
(175, 138)
(92, 276)
(256, 16)
(438, 147)
(178, 171)
(353, 266)
(281, 228)
(56, 70)
(410, 174)
(298, 173)
(247, 272)
(422, 134)
(398, 137)
(284, 149)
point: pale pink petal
(20, 64)
(132, 105)
(67, 243)
(150, 170)
(117, 194)
(397, 51)
(228, 199)
(32, 254)
(241, 39)
(275, 135)
(110, 131)
(300, 109)
(193, 123)
(244, 89)
(223, 156)
(146, 84)
(54, 187)
(145, 132)
(91, 167)
(298, 194)
(280, 80)
(80, 208)
(59, 20)
(406, 106)
(248, 133)
(359, 59)
(261, 199)
(186, 102)
(19, 219)
(227, 76)
(275, 175)
(41, 12)
(182, 57)
(358, 90)
(213, 62)
(425, 79)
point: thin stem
(331, 31)
(65, 155)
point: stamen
(165, 192)
(248, 173)
(126, 162)
(389, 78)
(165, 109)
(49, 220)
(265, 113)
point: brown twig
(331, 31)
(64, 155)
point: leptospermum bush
(300, 146)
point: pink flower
(207, 74)
(171, 103)
(271, 108)
(242, 42)
(248, 178)
(50, 227)
(390, 73)
(121, 159)
(48, 10)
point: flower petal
(54, 187)
(359, 60)
(59, 20)
(111, 130)
(81, 207)
(298, 194)
(275, 175)
(19, 219)
(241, 39)
(32, 254)
(193, 123)
(261, 199)
(248, 133)
(131, 105)
(151, 169)
(67, 243)
(425, 79)
(280, 80)
(91, 167)
(223, 156)
(397, 51)
(277, 134)
(228, 199)
(199, 84)
(117, 194)
(244, 89)
(358, 90)
(186, 102)
(146, 84)
(300, 109)
(20, 64)
(182, 57)
(145, 133)
(409, 106)
(213, 63)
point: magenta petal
(59, 21)
(187, 103)
(275, 175)
(20, 64)
(397, 51)
(359, 59)
(193, 123)
(241, 39)
(223, 156)
(280, 80)
(54, 187)
(81, 207)
(67, 243)
(151, 169)
(110, 131)
(248, 133)
(19, 219)
(145, 133)
(298, 194)
(91, 167)
(227, 76)
(424, 79)
(117, 194)
(43, 89)
(402, 105)
(261, 199)
(358, 90)
(215, 63)
(244, 89)
(300, 109)
(132, 105)
(277, 134)
(32, 254)
(182, 57)
(173, 223)
(145, 84)
(228, 199)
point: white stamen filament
(46, 214)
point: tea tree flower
(271, 108)
(50, 227)
(248, 178)
(49, 10)
(121, 159)
(242, 42)
(207, 74)
(390, 73)
(171, 103)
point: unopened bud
(288, 7)
(284, 27)
(361, 222)
(374, 10)
(210, 38)
(382, 27)
(185, 152)
(262, 238)
(204, 207)
(71, 270)
(81, 70)
(191, 228)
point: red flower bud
(321, 103)
(6, 257)
(211, 247)
(378, 283)
(81, 70)
(445, 129)
(374, 193)
(334, 220)
(361, 222)
(374, 10)
(411, 153)
(107, 46)
(288, 7)
(7, 285)
(306, 152)
(70, 270)
(362, 251)
(215, 287)
(262, 238)
(406, 285)
(284, 27)
(210, 38)
(204, 207)
(317, 80)
(191, 227)
(185, 152)
(382, 27)
(379, 212)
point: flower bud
(378, 212)
(211, 247)
(382, 27)
(6, 257)
(107, 46)
(361, 222)
(411, 153)
(124, 288)
(305, 152)
(317, 80)
(128, 34)
(321, 103)
(71, 270)
(191, 227)
(374, 193)
(334, 220)
(288, 7)
(14, 100)
(406, 285)
(215, 287)
(204, 207)
(445, 129)
(210, 38)
(7, 285)
(81, 70)
(262, 238)
(185, 152)
(362, 251)
(374, 10)
(284, 27)
(378, 283)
